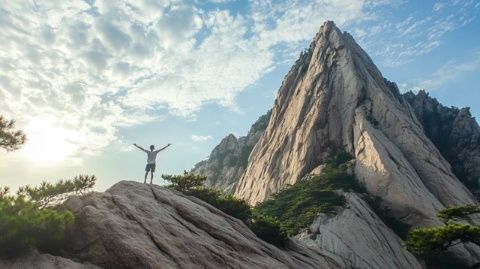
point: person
(151, 160)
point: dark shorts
(150, 167)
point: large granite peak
(335, 99)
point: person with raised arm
(151, 160)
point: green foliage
(192, 184)
(298, 205)
(24, 225)
(49, 194)
(10, 139)
(29, 219)
(425, 240)
(457, 212)
(268, 229)
(185, 182)
(229, 204)
(432, 241)
(264, 227)
(340, 158)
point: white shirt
(152, 155)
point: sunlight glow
(48, 144)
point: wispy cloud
(451, 71)
(396, 42)
(201, 138)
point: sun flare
(48, 144)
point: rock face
(335, 99)
(34, 260)
(359, 237)
(228, 160)
(134, 225)
(455, 133)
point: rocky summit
(134, 225)
(410, 152)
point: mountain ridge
(335, 99)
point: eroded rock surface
(35, 260)
(134, 225)
(332, 88)
(359, 237)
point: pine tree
(10, 139)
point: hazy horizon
(87, 79)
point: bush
(426, 240)
(268, 229)
(265, 227)
(30, 218)
(431, 242)
(457, 212)
(229, 204)
(186, 182)
(338, 159)
(24, 225)
(50, 194)
(298, 205)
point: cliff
(335, 99)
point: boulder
(133, 225)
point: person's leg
(145, 180)
(153, 171)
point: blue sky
(86, 79)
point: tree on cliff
(456, 230)
(10, 139)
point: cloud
(201, 138)
(402, 40)
(94, 67)
(452, 71)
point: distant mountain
(455, 133)
(228, 160)
(335, 99)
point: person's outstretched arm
(164, 147)
(139, 147)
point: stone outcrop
(134, 225)
(228, 160)
(359, 237)
(35, 260)
(454, 132)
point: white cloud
(92, 67)
(201, 138)
(451, 71)
(291, 22)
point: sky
(85, 79)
